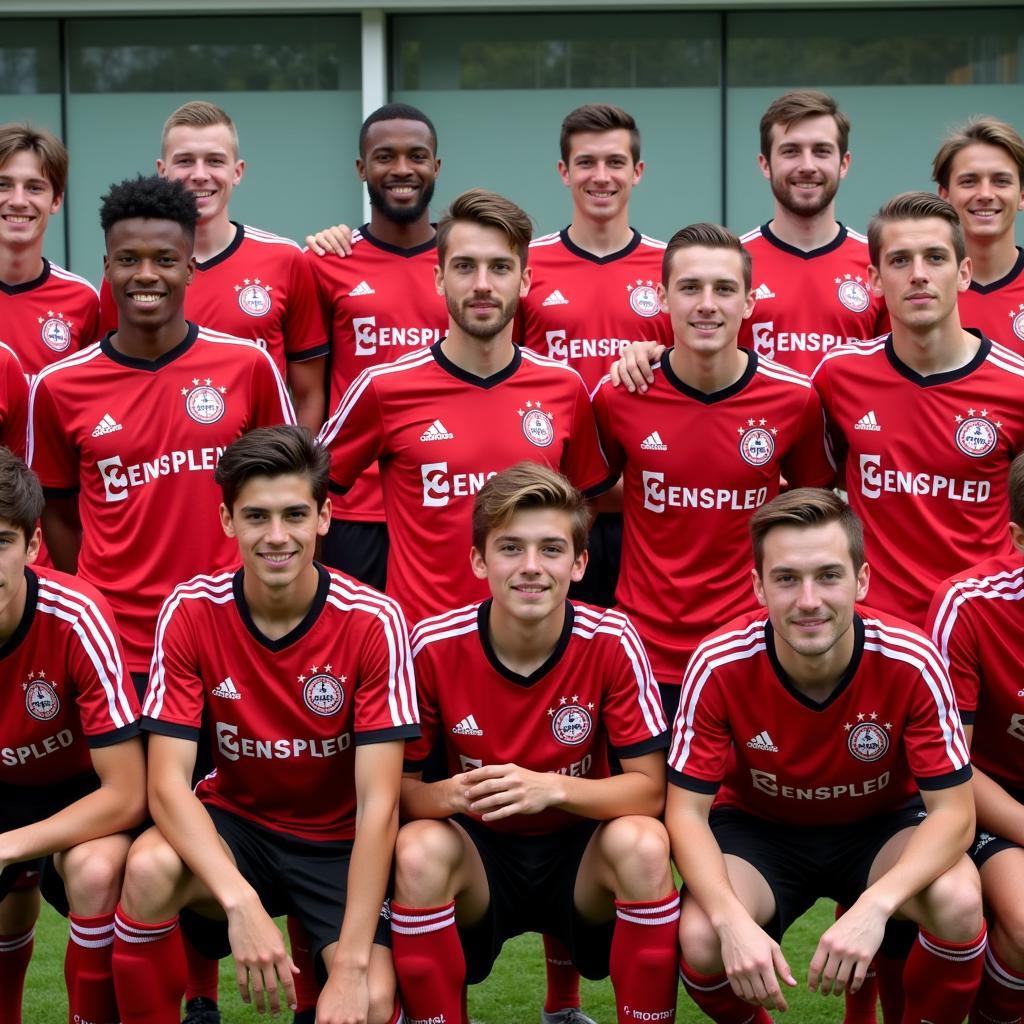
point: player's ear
(662, 297)
(361, 168)
(106, 266)
(579, 565)
(875, 280)
(524, 283)
(239, 171)
(58, 202)
(32, 547)
(323, 522)
(563, 172)
(964, 274)
(191, 268)
(749, 303)
(755, 579)
(226, 521)
(439, 279)
(844, 165)
(863, 579)
(161, 167)
(638, 171)
(766, 168)
(476, 560)
(1017, 536)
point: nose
(276, 533)
(402, 166)
(531, 563)
(481, 279)
(920, 268)
(808, 596)
(707, 298)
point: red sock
(15, 953)
(889, 974)
(87, 970)
(563, 978)
(307, 991)
(941, 978)
(429, 962)
(203, 974)
(644, 959)
(714, 996)
(1000, 997)
(149, 970)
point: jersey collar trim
(844, 681)
(20, 289)
(471, 378)
(1015, 271)
(600, 260)
(27, 616)
(770, 236)
(716, 396)
(224, 254)
(152, 365)
(483, 618)
(307, 623)
(397, 250)
(934, 379)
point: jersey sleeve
(304, 333)
(417, 750)
(807, 463)
(13, 402)
(269, 400)
(952, 631)
(354, 434)
(583, 462)
(49, 449)
(601, 402)
(108, 311)
(701, 734)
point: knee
(150, 877)
(92, 876)
(953, 904)
(1007, 937)
(637, 849)
(701, 948)
(426, 854)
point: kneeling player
(72, 775)
(529, 832)
(305, 680)
(977, 621)
(812, 722)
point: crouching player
(72, 773)
(529, 832)
(977, 621)
(304, 679)
(832, 740)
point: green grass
(511, 995)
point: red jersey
(258, 288)
(595, 690)
(686, 552)
(138, 441)
(66, 688)
(926, 460)
(379, 302)
(440, 433)
(997, 309)
(13, 401)
(745, 733)
(977, 623)
(809, 302)
(584, 309)
(48, 318)
(283, 717)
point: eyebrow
(832, 566)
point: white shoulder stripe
(437, 627)
(216, 338)
(1006, 360)
(779, 372)
(534, 357)
(751, 235)
(259, 235)
(543, 240)
(1005, 586)
(856, 235)
(67, 275)
(654, 243)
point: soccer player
(818, 751)
(529, 832)
(700, 452)
(304, 680)
(46, 312)
(72, 775)
(979, 169)
(977, 624)
(13, 401)
(248, 283)
(125, 434)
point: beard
(401, 214)
(785, 193)
(482, 330)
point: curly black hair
(153, 197)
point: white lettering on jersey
(768, 783)
(370, 337)
(874, 480)
(233, 747)
(658, 496)
(14, 756)
(439, 486)
(566, 350)
(769, 344)
(117, 478)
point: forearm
(421, 799)
(62, 532)
(614, 797)
(998, 812)
(308, 396)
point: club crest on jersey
(55, 331)
(41, 700)
(1017, 317)
(254, 297)
(976, 435)
(868, 739)
(853, 293)
(537, 428)
(204, 401)
(322, 691)
(571, 723)
(757, 441)
(643, 298)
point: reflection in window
(28, 58)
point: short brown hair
(50, 151)
(1017, 490)
(528, 485)
(798, 105)
(21, 494)
(806, 507)
(988, 130)
(199, 114)
(914, 206)
(598, 117)
(273, 451)
(707, 236)
(478, 206)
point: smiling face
(27, 200)
(985, 190)
(205, 161)
(399, 168)
(600, 173)
(805, 165)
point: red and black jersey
(379, 303)
(695, 467)
(64, 680)
(13, 401)
(977, 622)
(584, 309)
(138, 441)
(283, 717)
(49, 318)
(926, 462)
(997, 309)
(746, 733)
(440, 433)
(809, 302)
(595, 690)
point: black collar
(483, 619)
(308, 620)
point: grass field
(512, 995)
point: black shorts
(670, 694)
(359, 550)
(987, 844)
(303, 879)
(532, 880)
(602, 575)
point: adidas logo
(763, 292)
(762, 741)
(556, 298)
(437, 431)
(867, 422)
(227, 689)
(362, 289)
(467, 727)
(107, 425)
(653, 443)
